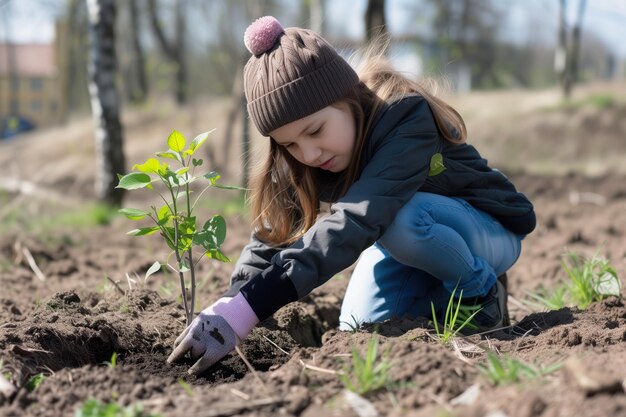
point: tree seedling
(175, 220)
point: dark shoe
(492, 309)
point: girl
(421, 208)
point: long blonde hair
(285, 193)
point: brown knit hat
(291, 74)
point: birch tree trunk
(102, 68)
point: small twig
(121, 291)
(33, 264)
(254, 372)
(276, 346)
(341, 355)
(318, 369)
(240, 394)
(229, 409)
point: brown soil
(69, 325)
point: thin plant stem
(190, 255)
(178, 259)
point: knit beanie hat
(291, 74)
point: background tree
(375, 22)
(568, 50)
(174, 50)
(102, 71)
(138, 91)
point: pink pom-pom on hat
(262, 34)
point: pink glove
(215, 332)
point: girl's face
(324, 139)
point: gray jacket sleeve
(395, 168)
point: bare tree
(176, 49)
(139, 88)
(102, 70)
(567, 54)
(375, 22)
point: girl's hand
(215, 332)
(208, 339)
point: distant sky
(527, 20)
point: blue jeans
(434, 245)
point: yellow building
(32, 83)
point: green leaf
(143, 231)
(133, 214)
(196, 162)
(182, 171)
(153, 269)
(164, 215)
(229, 187)
(199, 140)
(135, 180)
(212, 177)
(152, 165)
(217, 225)
(176, 141)
(217, 255)
(436, 165)
(183, 267)
(170, 234)
(170, 155)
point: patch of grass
(231, 205)
(544, 298)
(48, 221)
(455, 319)
(590, 280)
(502, 370)
(596, 101)
(94, 408)
(369, 373)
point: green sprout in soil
(94, 408)
(354, 324)
(369, 373)
(35, 382)
(590, 280)
(185, 387)
(501, 370)
(113, 362)
(175, 220)
(456, 318)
